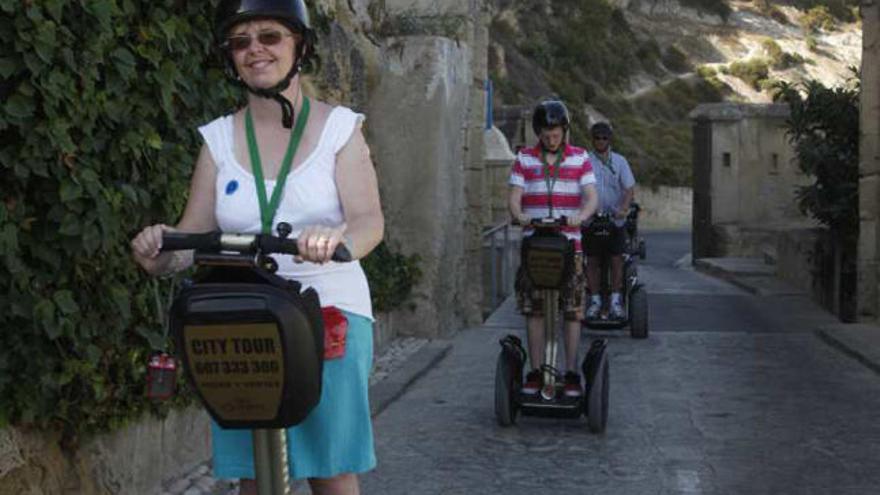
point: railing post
(493, 292)
(490, 93)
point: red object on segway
(161, 376)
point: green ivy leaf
(71, 225)
(154, 140)
(7, 67)
(65, 302)
(124, 57)
(46, 42)
(122, 300)
(70, 190)
(55, 8)
(44, 315)
(19, 106)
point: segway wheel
(597, 397)
(643, 252)
(505, 383)
(638, 314)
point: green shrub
(779, 59)
(392, 276)
(818, 18)
(824, 128)
(717, 7)
(812, 43)
(675, 60)
(839, 9)
(752, 71)
(772, 49)
(706, 71)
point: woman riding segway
(285, 157)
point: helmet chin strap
(275, 93)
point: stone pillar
(427, 110)
(869, 165)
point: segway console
(251, 342)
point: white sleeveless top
(310, 197)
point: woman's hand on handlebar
(145, 247)
(316, 243)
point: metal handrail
(500, 284)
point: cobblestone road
(731, 394)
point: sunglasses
(601, 138)
(241, 42)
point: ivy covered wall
(99, 105)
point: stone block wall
(665, 207)
(869, 166)
(134, 460)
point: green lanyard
(546, 171)
(269, 207)
(607, 162)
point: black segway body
(634, 296)
(252, 344)
(548, 261)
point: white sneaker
(617, 310)
(593, 310)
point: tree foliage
(824, 129)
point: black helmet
(550, 113)
(602, 129)
(292, 13)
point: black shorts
(597, 246)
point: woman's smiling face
(263, 51)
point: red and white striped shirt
(566, 196)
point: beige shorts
(530, 302)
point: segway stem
(270, 462)
(551, 305)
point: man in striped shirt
(553, 179)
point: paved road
(731, 394)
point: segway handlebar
(544, 222)
(217, 242)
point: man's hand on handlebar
(575, 220)
(522, 219)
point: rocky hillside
(644, 64)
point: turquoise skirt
(336, 437)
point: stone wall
(869, 166)
(752, 177)
(135, 460)
(665, 208)
(427, 112)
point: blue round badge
(231, 187)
